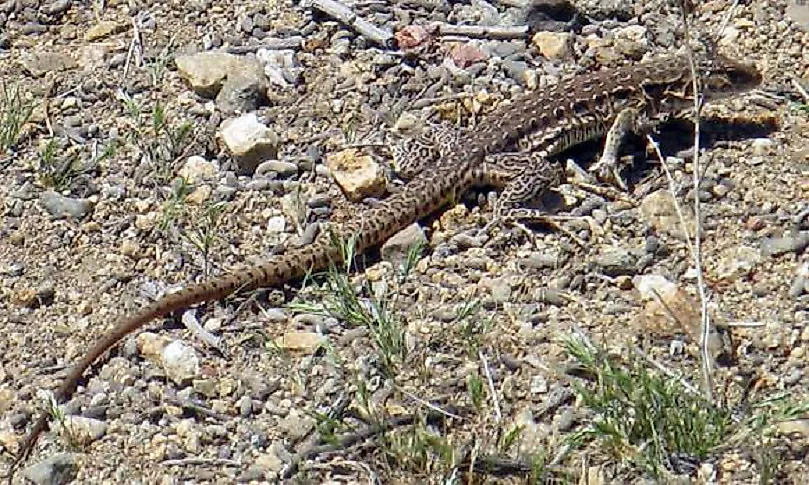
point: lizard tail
(287, 267)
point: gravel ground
(94, 224)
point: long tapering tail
(287, 267)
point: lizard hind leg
(630, 120)
(523, 177)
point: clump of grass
(343, 301)
(15, 111)
(330, 426)
(508, 438)
(162, 142)
(471, 326)
(206, 230)
(68, 432)
(420, 450)
(413, 256)
(59, 169)
(644, 418)
(158, 67)
(175, 206)
(200, 225)
(475, 389)
(655, 424)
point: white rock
(81, 430)
(651, 286)
(180, 362)
(249, 141)
(276, 224)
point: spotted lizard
(539, 125)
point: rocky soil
(172, 141)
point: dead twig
(190, 321)
(497, 415)
(730, 13)
(429, 405)
(344, 14)
(694, 255)
(696, 249)
(800, 89)
(289, 43)
(494, 32)
(201, 461)
(135, 48)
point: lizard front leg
(523, 176)
(629, 120)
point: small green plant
(15, 111)
(162, 143)
(205, 230)
(419, 451)
(175, 207)
(54, 410)
(767, 463)
(648, 420)
(644, 418)
(198, 224)
(475, 387)
(55, 173)
(472, 328)
(157, 68)
(363, 394)
(413, 256)
(59, 170)
(508, 439)
(329, 427)
(467, 310)
(58, 416)
(539, 470)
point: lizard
(542, 124)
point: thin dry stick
(665, 370)
(135, 47)
(430, 405)
(694, 255)
(484, 31)
(498, 416)
(696, 251)
(731, 12)
(201, 461)
(346, 15)
(190, 321)
(798, 87)
(272, 44)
